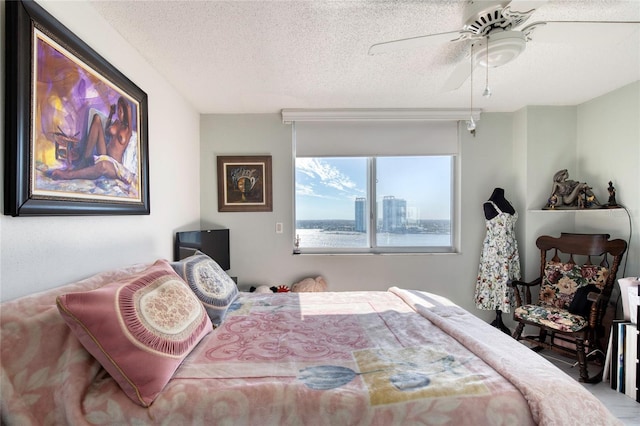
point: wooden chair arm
(597, 301)
(593, 296)
(517, 284)
(533, 283)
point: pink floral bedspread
(363, 358)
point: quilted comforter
(398, 357)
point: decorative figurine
(582, 199)
(586, 200)
(296, 244)
(567, 193)
(612, 196)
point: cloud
(305, 189)
(325, 175)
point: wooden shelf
(608, 212)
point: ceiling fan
(495, 30)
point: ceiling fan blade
(575, 32)
(418, 42)
(460, 74)
(519, 12)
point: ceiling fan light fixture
(505, 47)
(480, 17)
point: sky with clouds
(326, 188)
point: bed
(396, 357)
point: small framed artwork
(75, 126)
(244, 184)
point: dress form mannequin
(497, 197)
(498, 205)
(497, 323)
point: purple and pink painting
(85, 141)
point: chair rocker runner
(572, 298)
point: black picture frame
(34, 37)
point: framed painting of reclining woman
(76, 128)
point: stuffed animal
(272, 289)
(261, 289)
(310, 285)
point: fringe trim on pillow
(219, 276)
(215, 301)
(157, 341)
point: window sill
(315, 253)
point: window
(413, 202)
(405, 207)
(372, 184)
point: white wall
(38, 253)
(609, 150)
(518, 151)
(597, 141)
(549, 145)
(260, 256)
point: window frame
(372, 214)
(458, 116)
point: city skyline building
(394, 214)
(361, 214)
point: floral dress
(499, 263)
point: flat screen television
(212, 242)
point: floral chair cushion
(552, 317)
(559, 286)
(561, 281)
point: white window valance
(358, 138)
(375, 132)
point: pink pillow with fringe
(140, 328)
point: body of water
(317, 238)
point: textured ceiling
(263, 56)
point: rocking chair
(572, 298)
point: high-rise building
(361, 214)
(394, 214)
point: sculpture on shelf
(568, 193)
(612, 196)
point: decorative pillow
(139, 328)
(562, 280)
(210, 283)
(580, 304)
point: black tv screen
(212, 242)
